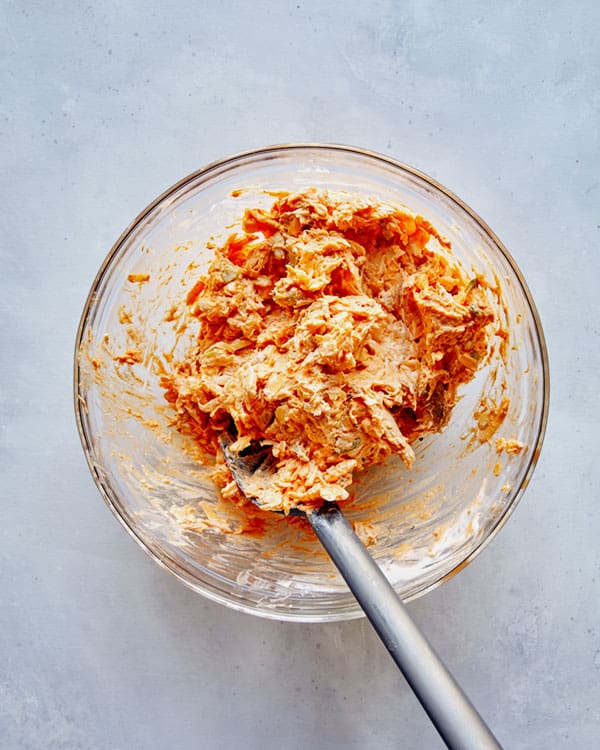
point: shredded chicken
(335, 330)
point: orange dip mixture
(334, 329)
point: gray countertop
(104, 105)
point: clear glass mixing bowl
(428, 522)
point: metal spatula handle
(451, 712)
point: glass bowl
(425, 524)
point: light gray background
(104, 105)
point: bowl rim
(171, 565)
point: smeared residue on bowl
(158, 327)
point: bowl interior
(426, 522)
